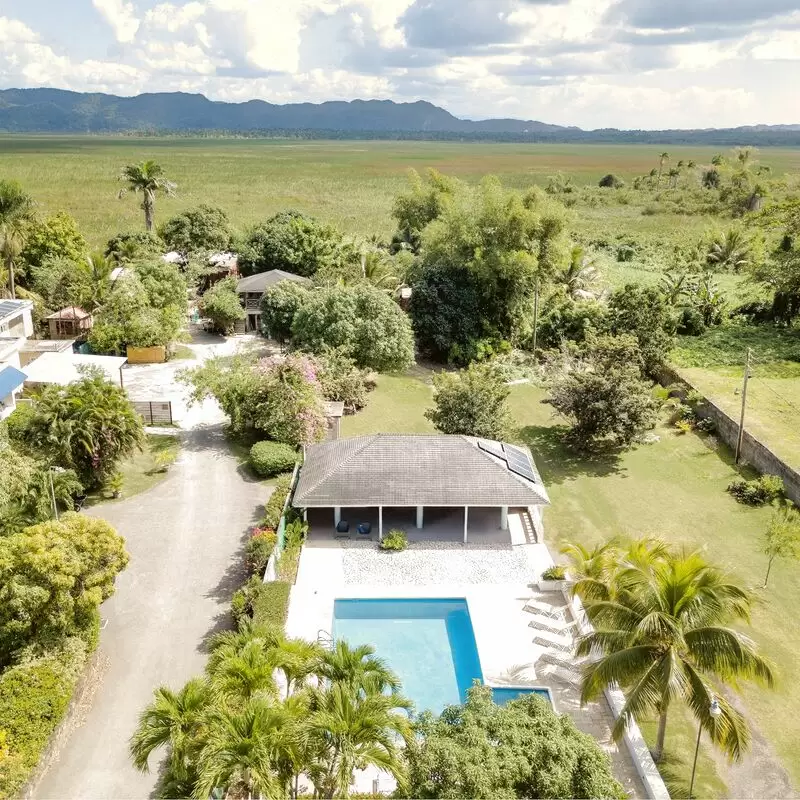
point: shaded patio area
(439, 524)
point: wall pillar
(419, 516)
(380, 523)
(503, 518)
(466, 522)
(337, 515)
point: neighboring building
(409, 474)
(33, 348)
(64, 368)
(252, 288)
(15, 319)
(334, 411)
(69, 323)
(11, 376)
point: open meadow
(348, 183)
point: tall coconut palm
(98, 267)
(351, 730)
(674, 174)
(592, 570)
(16, 210)
(662, 159)
(579, 274)
(357, 667)
(243, 751)
(173, 720)
(146, 178)
(664, 636)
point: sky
(593, 63)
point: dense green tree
(566, 320)
(360, 321)
(126, 248)
(148, 179)
(16, 212)
(341, 380)
(603, 394)
(446, 313)
(425, 200)
(295, 243)
(665, 634)
(471, 402)
(88, 426)
(61, 283)
(642, 312)
(279, 304)
(522, 749)
(53, 577)
(221, 305)
(56, 236)
(202, 229)
(164, 284)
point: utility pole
(535, 315)
(740, 437)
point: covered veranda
(434, 488)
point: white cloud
(121, 16)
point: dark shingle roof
(262, 280)
(399, 470)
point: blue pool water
(430, 644)
(502, 695)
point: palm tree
(664, 637)
(351, 730)
(98, 268)
(146, 178)
(172, 720)
(231, 643)
(376, 270)
(662, 159)
(243, 751)
(357, 667)
(579, 274)
(16, 210)
(298, 660)
(675, 287)
(674, 174)
(729, 251)
(592, 570)
(246, 674)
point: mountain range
(57, 111)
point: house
(11, 376)
(16, 321)
(455, 481)
(33, 348)
(67, 367)
(69, 323)
(251, 289)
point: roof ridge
(370, 437)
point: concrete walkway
(186, 539)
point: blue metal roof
(10, 378)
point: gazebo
(393, 471)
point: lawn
(673, 488)
(351, 184)
(144, 469)
(714, 363)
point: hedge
(34, 698)
(272, 458)
(274, 506)
(271, 603)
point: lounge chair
(552, 640)
(538, 607)
(558, 659)
(564, 675)
(552, 625)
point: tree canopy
(202, 229)
(279, 304)
(56, 236)
(221, 305)
(361, 322)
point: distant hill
(58, 111)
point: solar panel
(519, 463)
(495, 448)
(9, 307)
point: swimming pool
(503, 694)
(429, 643)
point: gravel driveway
(186, 539)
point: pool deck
(504, 639)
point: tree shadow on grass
(557, 462)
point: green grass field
(673, 488)
(348, 183)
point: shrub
(244, 597)
(611, 181)
(691, 322)
(706, 425)
(34, 697)
(274, 506)
(272, 458)
(683, 425)
(555, 573)
(270, 603)
(260, 548)
(19, 422)
(757, 492)
(342, 380)
(395, 540)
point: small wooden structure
(71, 322)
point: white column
(503, 518)
(305, 515)
(337, 515)
(380, 523)
(419, 516)
(466, 522)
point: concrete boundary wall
(754, 452)
(637, 747)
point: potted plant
(553, 579)
(115, 484)
(394, 541)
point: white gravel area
(434, 562)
